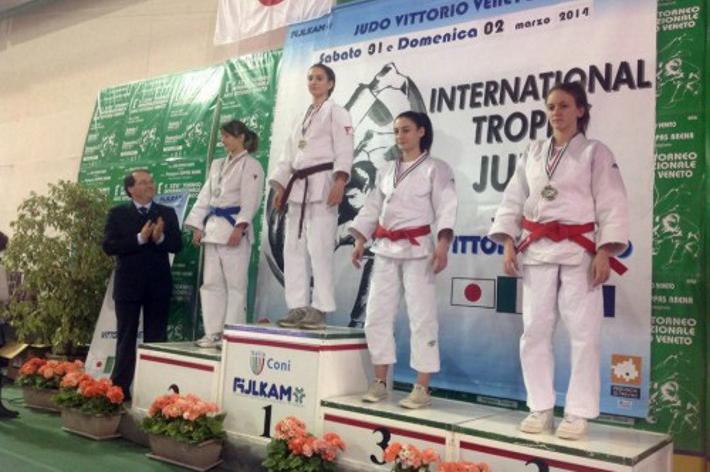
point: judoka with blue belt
(221, 220)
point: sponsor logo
(273, 391)
(625, 370)
(270, 3)
(258, 360)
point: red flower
(115, 394)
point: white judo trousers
(549, 289)
(389, 276)
(224, 285)
(317, 244)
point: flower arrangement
(44, 374)
(185, 418)
(463, 467)
(409, 459)
(88, 395)
(293, 448)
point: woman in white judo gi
(566, 209)
(221, 220)
(311, 178)
(410, 214)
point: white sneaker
(376, 392)
(572, 427)
(537, 422)
(210, 341)
(418, 398)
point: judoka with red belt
(566, 208)
(410, 215)
(221, 220)
(311, 178)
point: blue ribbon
(224, 212)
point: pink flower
(172, 411)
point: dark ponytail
(236, 128)
(422, 121)
(251, 141)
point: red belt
(405, 233)
(558, 232)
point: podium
(265, 373)
(269, 373)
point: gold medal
(302, 144)
(549, 193)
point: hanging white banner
(239, 19)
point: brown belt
(303, 174)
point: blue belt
(224, 212)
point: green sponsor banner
(165, 125)
(678, 194)
(677, 402)
(169, 125)
(679, 348)
(680, 73)
(249, 95)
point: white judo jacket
(426, 196)
(590, 189)
(329, 138)
(236, 183)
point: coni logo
(257, 360)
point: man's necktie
(143, 211)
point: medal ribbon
(398, 177)
(229, 162)
(553, 159)
(310, 114)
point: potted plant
(463, 467)
(40, 379)
(185, 430)
(294, 449)
(408, 458)
(56, 246)
(90, 407)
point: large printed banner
(678, 402)
(165, 125)
(481, 70)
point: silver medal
(549, 193)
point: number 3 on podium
(386, 435)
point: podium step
(477, 433)
(182, 365)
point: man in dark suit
(140, 234)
